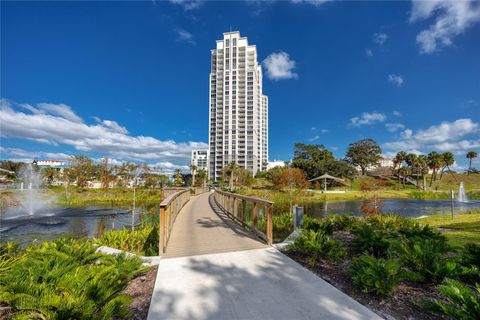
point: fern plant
(143, 240)
(427, 260)
(375, 241)
(66, 279)
(379, 276)
(470, 255)
(318, 245)
(462, 302)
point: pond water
(52, 223)
(49, 224)
(404, 207)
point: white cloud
(451, 17)
(456, 136)
(106, 137)
(368, 52)
(380, 38)
(312, 2)
(279, 66)
(447, 131)
(184, 36)
(168, 168)
(396, 113)
(393, 127)
(367, 118)
(188, 5)
(407, 134)
(61, 110)
(324, 131)
(313, 128)
(315, 138)
(29, 156)
(396, 79)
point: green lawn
(461, 229)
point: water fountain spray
(462, 197)
(32, 179)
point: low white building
(200, 159)
(275, 164)
(382, 163)
(50, 163)
(57, 164)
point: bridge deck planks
(201, 228)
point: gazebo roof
(327, 176)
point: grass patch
(463, 228)
(75, 196)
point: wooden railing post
(161, 229)
(269, 231)
(244, 210)
(234, 208)
(255, 214)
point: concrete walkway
(251, 284)
(202, 228)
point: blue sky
(129, 80)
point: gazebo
(327, 176)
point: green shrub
(470, 255)
(379, 276)
(462, 303)
(9, 255)
(311, 223)
(390, 222)
(329, 224)
(371, 239)
(428, 260)
(142, 240)
(417, 231)
(318, 245)
(66, 279)
(282, 226)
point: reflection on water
(404, 207)
(56, 222)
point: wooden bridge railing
(169, 209)
(168, 191)
(199, 190)
(236, 206)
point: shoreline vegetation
(362, 188)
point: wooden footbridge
(213, 222)
(217, 262)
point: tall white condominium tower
(238, 113)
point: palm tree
(470, 156)
(202, 176)
(411, 160)
(399, 158)
(194, 169)
(402, 171)
(422, 167)
(434, 163)
(232, 168)
(448, 160)
(398, 161)
(178, 178)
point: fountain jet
(462, 197)
(32, 179)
